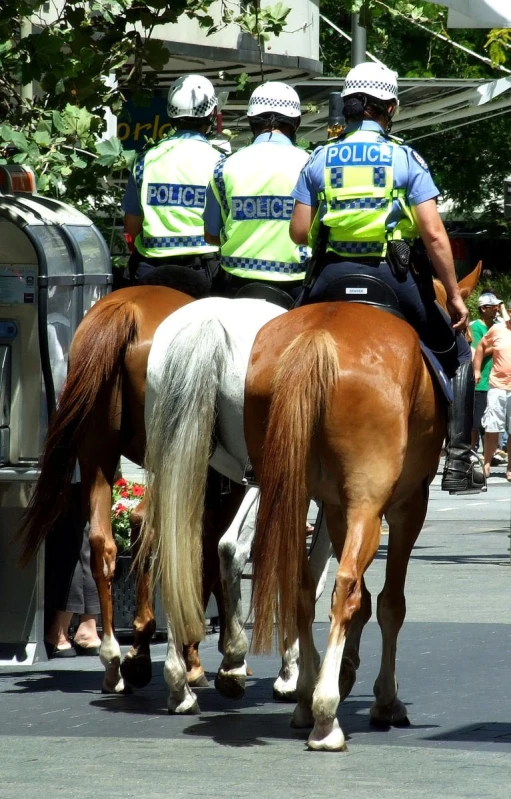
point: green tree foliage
(470, 163)
(81, 62)
(57, 125)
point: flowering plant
(126, 495)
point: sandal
(53, 651)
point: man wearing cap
(372, 195)
(166, 194)
(249, 203)
(488, 307)
(497, 417)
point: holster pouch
(398, 258)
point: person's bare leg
(490, 445)
(86, 633)
(57, 633)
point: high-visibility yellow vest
(253, 188)
(359, 195)
(171, 179)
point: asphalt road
(60, 735)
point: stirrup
(460, 477)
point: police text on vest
(358, 154)
(176, 194)
(265, 207)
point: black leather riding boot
(463, 472)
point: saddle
(263, 291)
(365, 289)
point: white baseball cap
(488, 299)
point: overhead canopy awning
(477, 13)
(424, 104)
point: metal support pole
(358, 42)
(26, 91)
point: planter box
(123, 598)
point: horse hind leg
(285, 686)
(351, 658)
(405, 523)
(181, 699)
(136, 668)
(195, 674)
(234, 550)
(308, 656)
(360, 546)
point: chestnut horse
(99, 418)
(340, 405)
(355, 420)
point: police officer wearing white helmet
(249, 203)
(166, 194)
(372, 192)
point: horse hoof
(302, 717)
(198, 681)
(120, 689)
(188, 707)
(327, 738)
(347, 679)
(392, 715)
(137, 670)
(279, 695)
(229, 685)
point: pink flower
(121, 482)
(120, 509)
(125, 494)
(137, 490)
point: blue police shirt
(212, 214)
(131, 200)
(410, 173)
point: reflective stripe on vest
(253, 188)
(172, 179)
(359, 195)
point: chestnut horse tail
(177, 457)
(306, 373)
(109, 328)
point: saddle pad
(437, 373)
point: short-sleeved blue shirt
(131, 200)
(410, 173)
(212, 214)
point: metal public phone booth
(54, 265)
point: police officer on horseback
(369, 197)
(249, 201)
(166, 194)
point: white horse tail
(177, 456)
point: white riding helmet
(373, 79)
(275, 97)
(191, 96)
